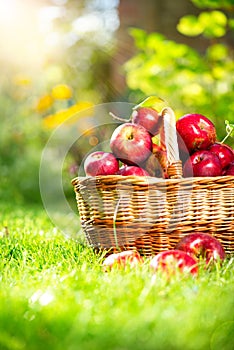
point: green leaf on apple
(154, 102)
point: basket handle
(170, 141)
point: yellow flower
(61, 92)
(44, 103)
(22, 80)
(69, 115)
(80, 109)
(53, 120)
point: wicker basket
(151, 214)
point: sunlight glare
(21, 40)
(8, 11)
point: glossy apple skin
(197, 132)
(230, 169)
(172, 261)
(202, 245)
(224, 152)
(132, 170)
(149, 118)
(131, 143)
(129, 258)
(100, 163)
(202, 163)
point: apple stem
(119, 118)
(229, 130)
(226, 137)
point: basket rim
(151, 179)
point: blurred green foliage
(211, 24)
(75, 41)
(225, 4)
(21, 141)
(190, 81)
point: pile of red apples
(194, 250)
(137, 148)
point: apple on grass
(173, 261)
(224, 152)
(196, 131)
(127, 170)
(131, 143)
(202, 163)
(149, 118)
(202, 245)
(101, 163)
(130, 258)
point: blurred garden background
(59, 57)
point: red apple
(230, 169)
(156, 163)
(131, 143)
(101, 163)
(129, 258)
(161, 155)
(202, 245)
(202, 163)
(132, 170)
(224, 152)
(196, 131)
(171, 261)
(153, 167)
(149, 118)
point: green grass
(54, 295)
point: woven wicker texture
(151, 214)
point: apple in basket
(131, 143)
(173, 261)
(123, 259)
(202, 245)
(152, 166)
(230, 169)
(100, 163)
(156, 163)
(202, 163)
(224, 152)
(149, 118)
(132, 170)
(196, 131)
(161, 155)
